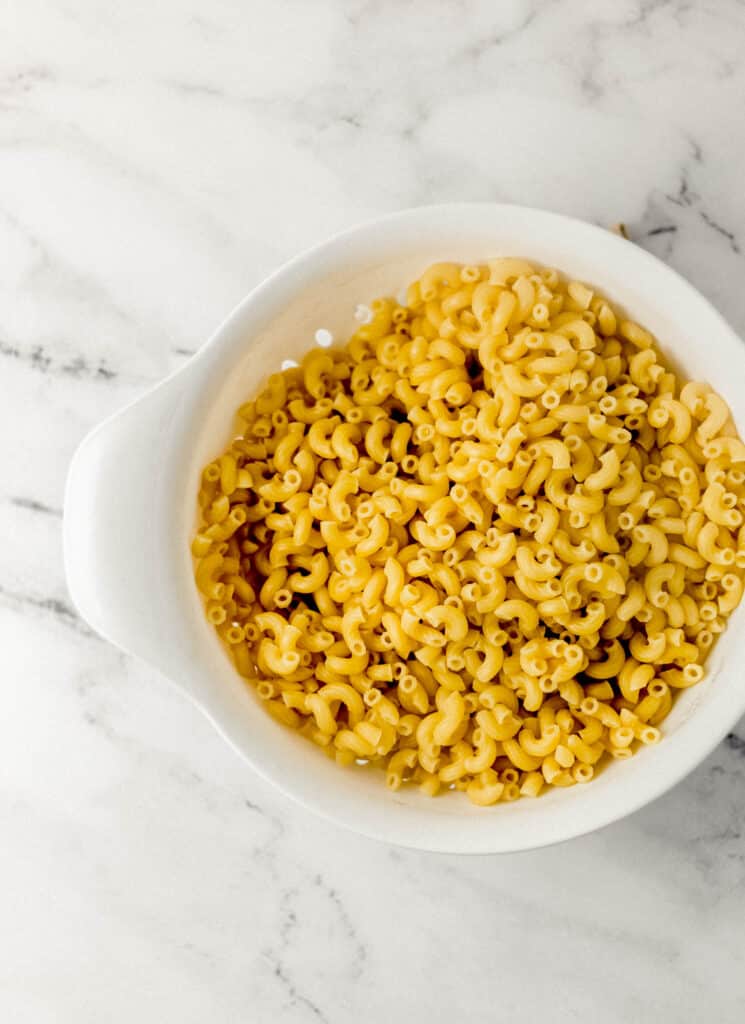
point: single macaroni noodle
(482, 545)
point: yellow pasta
(483, 544)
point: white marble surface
(156, 160)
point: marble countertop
(156, 161)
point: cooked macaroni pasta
(483, 544)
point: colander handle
(113, 537)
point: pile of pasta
(484, 543)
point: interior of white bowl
(322, 289)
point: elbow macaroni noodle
(484, 544)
